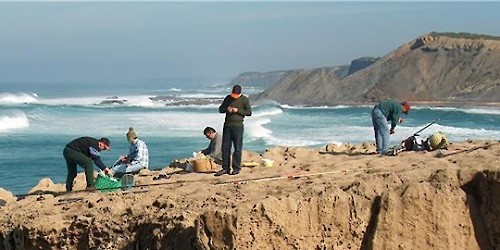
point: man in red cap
(236, 106)
(382, 113)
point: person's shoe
(235, 172)
(222, 172)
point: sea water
(38, 120)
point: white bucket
(127, 181)
(267, 163)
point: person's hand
(231, 109)
(391, 131)
(401, 120)
(123, 158)
(108, 172)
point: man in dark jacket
(236, 106)
(84, 151)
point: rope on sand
(273, 178)
(211, 181)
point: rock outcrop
(331, 198)
(444, 67)
(259, 79)
(6, 197)
(361, 63)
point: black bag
(412, 144)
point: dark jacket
(243, 106)
(89, 147)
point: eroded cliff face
(433, 67)
(312, 199)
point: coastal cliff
(259, 79)
(445, 67)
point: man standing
(382, 113)
(236, 106)
(214, 149)
(84, 151)
(137, 158)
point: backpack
(412, 144)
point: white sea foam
(202, 95)
(268, 112)
(17, 98)
(286, 106)
(256, 129)
(490, 111)
(475, 110)
(13, 120)
(104, 101)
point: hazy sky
(134, 42)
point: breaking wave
(18, 98)
(13, 120)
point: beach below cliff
(333, 197)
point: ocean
(38, 120)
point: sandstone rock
(6, 197)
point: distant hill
(267, 79)
(448, 67)
(259, 79)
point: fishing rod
(396, 148)
(437, 119)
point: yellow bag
(438, 140)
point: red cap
(407, 106)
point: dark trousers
(74, 158)
(234, 135)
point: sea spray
(11, 120)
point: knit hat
(407, 106)
(131, 134)
(236, 89)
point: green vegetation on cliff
(464, 35)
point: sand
(312, 198)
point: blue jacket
(392, 110)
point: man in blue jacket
(382, 113)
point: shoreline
(436, 104)
(449, 104)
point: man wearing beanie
(137, 158)
(236, 106)
(382, 113)
(84, 151)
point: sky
(140, 42)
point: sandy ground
(325, 198)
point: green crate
(107, 184)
